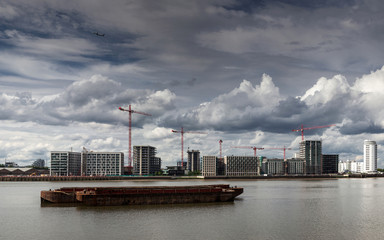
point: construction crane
(130, 111)
(251, 147)
(307, 128)
(220, 142)
(284, 148)
(182, 141)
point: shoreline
(160, 178)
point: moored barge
(108, 196)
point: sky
(246, 72)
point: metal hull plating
(142, 195)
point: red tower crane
(182, 141)
(307, 128)
(254, 148)
(284, 148)
(220, 142)
(130, 111)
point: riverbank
(128, 178)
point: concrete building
(311, 152)
(274, 166)
(39, 163)
(330, 163)
(65, 163)
(145, 161)
(193, 163)
(209, 166)
(370, 157)
(295, 166)
(220, 168)
(241, 166)
(102, 163)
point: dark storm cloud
(166, 37)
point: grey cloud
(329, 101)
(93, 100)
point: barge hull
(141, 195)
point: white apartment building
(102, 163)
(370, 157)
(351, 166)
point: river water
(268, 209)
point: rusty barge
(109, 196)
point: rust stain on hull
(109, 196)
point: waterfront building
(330, 163)
(370, 156)
(102, 163)
(22, 171)
(350, 166)
(311, 152)
(175, 171)
(241, 166)
(295, 166)
(357, 167)
(65, 163)
(209, 166)
(220, 167)
(274, 166)
(193, 163)
(11, 165)
(39, 163)
(145, 161)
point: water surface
(268, 209)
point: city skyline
(246, 72)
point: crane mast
(130, 111)
(220, 142)
(182, 141)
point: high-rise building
(241, 166)
(311, 152)
(370, 156)
(102, 163)
(193, 164)
(145, 161)
(330, 163)
(65, 163)
(209, 166)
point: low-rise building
(330, 163)
(241, 166)
(295, 166)
(274, 166)
(350, 166)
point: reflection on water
(294, 209)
